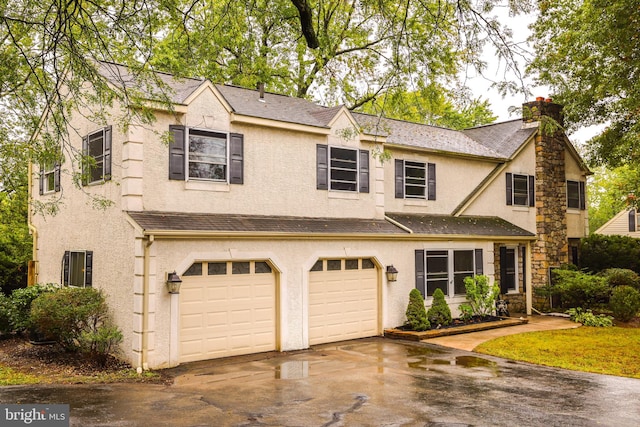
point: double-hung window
(415, 180)
(96, 150)
(50, 177)
(576, 195)
(520, 190)
(342, 169)
(207, 155)
(446, 270)
(77, 268)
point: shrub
(439, 313)
(579, 289)
(481, 297)
(625, 303)
(587, 318)
(466, 312)
(5, 309)
(77, 318)
(621, 277)
(598, 252)
(416, 312)
(20, 307)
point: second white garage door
(227, 309)
(343, 300)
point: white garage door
(343, 300)
(227, 309)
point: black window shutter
(420, 272)
(479, 262)
(322, 167)
(503, 270)
(85, 153)
(88, 268)
(236, 158)
(632, 220)
(583, 195)
(41, 180)
(107, 153)
(532, 191)
(509, 189)
(399, 179)
(56, 176)
(177, 153)
(66, 259)
(431, 181)
(364, 171)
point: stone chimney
(552, 247)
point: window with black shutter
(96, 151)
(77, 268)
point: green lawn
(612, 351)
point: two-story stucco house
(281, 218)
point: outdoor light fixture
(173, 283)
(392, 273)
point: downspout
(529, 294)
(32, 228)
(144, 363)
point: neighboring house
(624, 223)
(282, 217)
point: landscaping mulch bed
(55, 365)
(457, 327)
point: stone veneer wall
(551, 248)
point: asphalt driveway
(370, 382)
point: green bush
(416, 312)
(20, 307)
(439, 313)
(5, 310)
(481, 296)
(587, 318)
(598, 252)
(625, 303)
(466, 312)
(579, 289)
(78, 319)
(621, 277)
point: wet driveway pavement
(370, 382)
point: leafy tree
(589, 53)
(15, 242)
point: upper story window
(520, 190)
(415, 180)
(50, 177)
(209, 155)
(96, 149)
(342, 169)
(77, 268)
(576, 195)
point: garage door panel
(343, 304)
(227, 315)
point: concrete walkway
(471, 340)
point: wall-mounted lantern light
(173, 283)
(392, 273)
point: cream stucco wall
(577, 220)
(456, 177)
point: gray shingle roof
(462, 225)
(504, 138)
(204, 222)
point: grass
(611, 351)
(9, 376)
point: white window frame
(98, 160)
(418, 182)
(513, 189)
(189, 160)
(74, 257)
(355, 170)
(579, 195)
(451, 272)
(49, 177)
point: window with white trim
(207, 155)
(446, 270)
(77, 268)
(96, 149)
(50, 177)
(342, 169)
(520, 189)
(415, 180)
